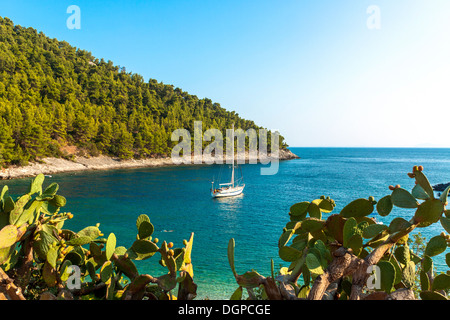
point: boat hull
(228, 192)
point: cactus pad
(429, 211)
(357, 208)
(403, 199)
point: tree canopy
(54, 95)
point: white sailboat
(228, 189)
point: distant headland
(54, 97)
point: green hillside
(54, 96)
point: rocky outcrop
(286, 154)
(50, 166)
(441, 186)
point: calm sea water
(177, 200)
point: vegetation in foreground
(39, 259)
(348, 256)
(55, 97)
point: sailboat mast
(232, 171)
(232, 176)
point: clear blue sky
(312, 69)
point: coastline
(51, 165)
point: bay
(177, 200)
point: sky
(325, 73)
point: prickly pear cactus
(349, 255)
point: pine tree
(7, 144)
(123, 142)
(104, 137)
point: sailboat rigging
(229, 189)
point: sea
(178, 202)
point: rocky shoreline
(50, 166)
(441, 186)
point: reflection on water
(228, 208)
(230, 203)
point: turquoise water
(178, 202)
